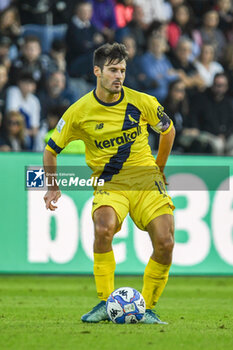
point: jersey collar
(112, 103)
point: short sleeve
(155, 116)
(67, 130)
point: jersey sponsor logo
(60, 125)
(120, 140)
(99, 126)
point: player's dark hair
(110, 53)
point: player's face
(112, 77)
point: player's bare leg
(105, 225)
(161, 231)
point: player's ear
(97, 71)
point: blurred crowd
(180, 51)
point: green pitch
(43, 313)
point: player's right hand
(51, 196)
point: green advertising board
(34, 240)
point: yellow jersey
(115, 134)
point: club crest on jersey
(119, 140)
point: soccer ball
(125, 305)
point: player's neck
(106, 96)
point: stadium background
(48, 46)
(45, 65)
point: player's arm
(165, 146)
(167, 133)
(50, 167)
(62, 135)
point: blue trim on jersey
(55, 147)
(132, 116)
(116, 162)
(109, 104)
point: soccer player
(112, 121)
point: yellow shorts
(142, 205)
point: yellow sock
(104, 268)
(154, 282)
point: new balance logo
(99, 126)
(125, 138)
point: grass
(43, 313)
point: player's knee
(104, 233)
(166, 243)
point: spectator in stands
(21, 98)
(206, 66)
(3, 87)
(124, 12)
(210, 32)
(157, 28)
(56, 93)
(135, 77)
(183, 25)
(159, 10)
(175, 3)
(82, 39)
(10, 24)
(53, 116)
(48, 125)
(30, 60)
(56, 60)
(187, 71)
(4, 4)
(62, 11)
(212, 115)
(200, 6)
(225, 11)
(228, 66)
(104, 18)
(157, 67)
(36, 11)
(5, 43)
(14, 137)
(135, 28)
(177, 107)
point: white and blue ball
(125, 305)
